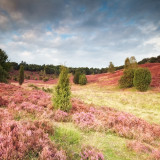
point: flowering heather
(17, 139)
(91, 153)
(142, 147)
(60, 116)
(48, 153)
(87, 121)
(45, 125)
(124, 124)
(5, 115)
(3, 102)
(139, 147)
(19, 99)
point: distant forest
(52, 69)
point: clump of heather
(127, 125)
(144, 148)
(48, 153)
(139, 147)
(61, 116)
(3, 102)
(91, 153)
(78, 106)
(17, 139)
(5, 115)
(155, 154)
(45, 125)
(87, 121)
(39, 97)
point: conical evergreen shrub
(21, 75)
(62, 94)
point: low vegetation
(64, 121)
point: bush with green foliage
(82, 79)
(21, 75)
(127, 63)
(111, 68)
(3, 75)
(76, 77)
(45, 79)
(4, 66)
(142, 79)
(126, 81)
(15, 78)
(61, 99)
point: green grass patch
(145, 105)
(112, 146)
(68, 137)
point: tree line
(53, 69)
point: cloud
(79, 33)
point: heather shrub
(142, 79)
(45, 125)
(61, 100)
(82, 79)
(61, 116)
(126, 81)
(24, 137)
(48, 154)
(91, 153)
(87, 121)
(3, 102)
(76, 77)
(21, 75)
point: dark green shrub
(34, 86)
(4, 66)
(142, 79)
(48, 90)
(61, 99)
(111, 68)
(127, 63)
(3, 75)
(126, 81)
(15, 78)
(76, 77)
(82, 79)
(21, 75)
(45, 79)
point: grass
(145, 105)
(113, 147)
(71, 139)
(68, 137)
(23, 115)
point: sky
(79, 33)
